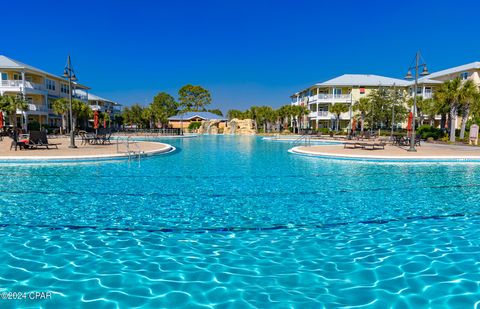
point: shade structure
(1, 120)
(354, 124)
(95, 120)
(410, 120)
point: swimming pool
(237, 221)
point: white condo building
(349, 88)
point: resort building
(345, 89)
(349, 88)
(184, 120)
(39, 88)
(100, 104)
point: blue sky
(245, 52)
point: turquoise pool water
(240, 222)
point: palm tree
(11, 104)
(469, 93)
(450, 93)
(363, 106)
(60, 107)
(79, 109)
(337, 110)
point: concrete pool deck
(83, 152)
(425, 152)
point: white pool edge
(104, 157)
(297, 150)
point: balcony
(16, 85)
(333, 97)
(428, 95)
(320, 115)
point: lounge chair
(40, 139)
(17, 143)
(35, 140)
(365, 145)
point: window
(50, 84)
(4, 76)
(64, 88)
(464, 75)
(17, 76)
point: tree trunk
(453, 122)
(465, 114)
(362, 125)
(443, 121)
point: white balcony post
(23, 83)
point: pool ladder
(305, 139)
(131, 153)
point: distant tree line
(156, 114)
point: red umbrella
(354, 124)
(1, 120)
(95, 120)
(410, 120)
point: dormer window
(464, 75)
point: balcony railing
(37, 108)
(331, 97)
(319, 114)
(19, 83)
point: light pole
(70, 74)
(416, 67)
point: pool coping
(380, 158)
(165, 149)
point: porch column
(23, 84)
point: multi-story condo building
(39, 88)
(349, 88)
(100, 104)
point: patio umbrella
(354, 124)
(1, 120)
(410, 120)
(95, 120)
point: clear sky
(245, 52)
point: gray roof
(93, 97)
(9, 63)
(452, 71)
(203, 115)
(363, 80)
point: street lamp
(416, 67)
(70, 74)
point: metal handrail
(305, 137)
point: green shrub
(194, 126)
(427, 132)
(324, 130)
(33, 126)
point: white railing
(325, 96)
(19, 83)
(330, 97)
(37, 108)
(96, 107)
(319, 114)
(428, 95)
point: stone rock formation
(209, 127)
(240, 127)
